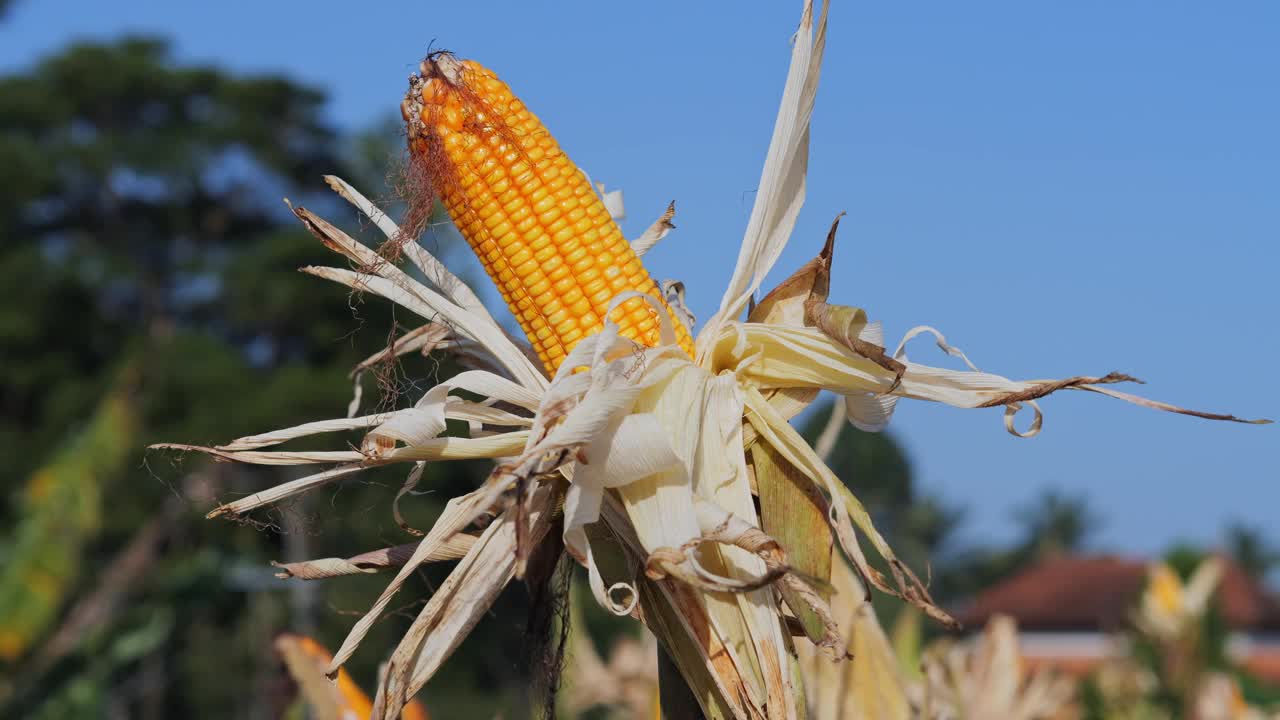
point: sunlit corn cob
(531, 216)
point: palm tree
(1055, 523)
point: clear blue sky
(1061, 188)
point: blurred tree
(1055, 523)
(1249, 547)
(1052, 524)
(141, 217)
(130, 184)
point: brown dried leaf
(458, 513)
(655, 232)
(845, 325)
(786, 303)
(458, 604)
(374, 560)
(424, 339)
(692, 646)
(801, 301)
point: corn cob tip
(441, 64)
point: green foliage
(90, 690)
(60, 512)
(1180, 662)
(1184, 559)
(1257, 692)
(129, 184)
(55, 366)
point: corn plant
(987, 679)
(612, 422)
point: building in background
(1071, 611)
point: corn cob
(531, 216)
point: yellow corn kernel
(540, 231)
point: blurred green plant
(59, 514)
(1177, 663)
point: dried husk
(869, 685)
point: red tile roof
(1245, 604)
(1075, 592)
